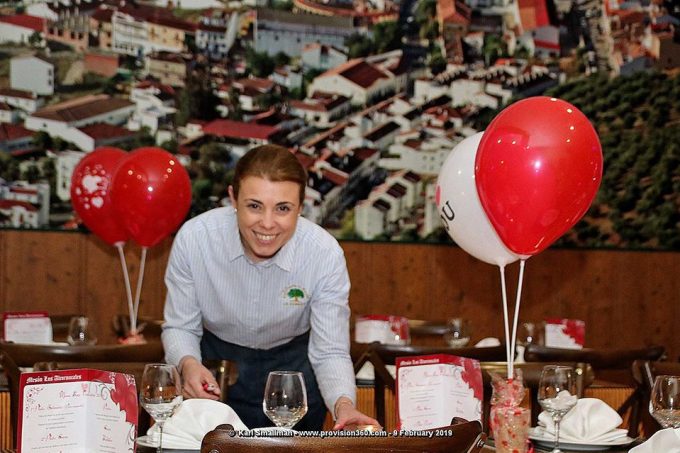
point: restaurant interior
(628, 301)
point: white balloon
(461, 210)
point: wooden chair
(14, 356)
(466, 437)
(380, 355)
(427, 333)
(611, 365)
(644, 372)
(531, 375)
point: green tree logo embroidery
(295, 294)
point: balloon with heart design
(538, 168)
(91, 193)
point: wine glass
(81, 332)
(664, 402)
(161, 393)
(285, 398)
(557, 395)
(457, 332)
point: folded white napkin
(666, 441)
(193, 419)
(367, 371)
(590, 421)
(488, 342)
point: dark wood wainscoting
(626, 298)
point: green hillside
(638, 121)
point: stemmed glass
(664, 402)
(557, 395)
(457, 332)
(161, 393)
(285, 398)
(81, 332)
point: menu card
(386, 329)
(565, 333)
(80, 410)
(433, 389)
(27, 327)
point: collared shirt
(212, 284)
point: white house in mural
(33, 74)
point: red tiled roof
(9, 204)
(82, 108)
(335, 178)
(103, 14)
(359, 72)
(305, 160)
(13, 132)
(255, 83)
(238, 129)
(364, 74)
(26, 21)
(455, 11)
(4, 106)
(10, 92)
(103, 131)
(152, 83)
(533, 13)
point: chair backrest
(531, 375)
(465, 437)
(611, 365)
(644, 372)
(381, 355)
(14, 356)
(427, 332)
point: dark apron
(245, 397)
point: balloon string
(516, 318)
(505, 321)
(128, 290)
(138, 292)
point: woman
(258, 284)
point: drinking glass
(457, 332)
(285, 398)
(161, 393)
(664, 402)
(81, 332)
(557, 395)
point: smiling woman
(257, 284)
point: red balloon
(151, 194)
(91, 193)
(538, 168)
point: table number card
(80, 410)
(386, 329)
(27, 327)
(433, 389)
(565, 333)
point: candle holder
(509, 422)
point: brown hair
(272, 162)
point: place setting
(180, 426)
(572, 423)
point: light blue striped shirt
(213, 285)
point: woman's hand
(199, 382)
(348, 417)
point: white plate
(148, 441)
(539, 438)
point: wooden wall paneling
(4, 272)
(44, 271)
(153, 291)
(104, 286)
(363, 292)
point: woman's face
(267, 214)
